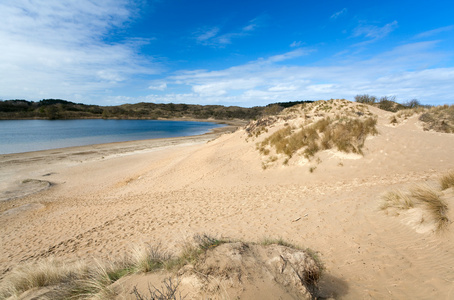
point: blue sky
(245, 53)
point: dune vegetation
(54, 279)
(313, 127)
(430, 199)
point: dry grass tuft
(447, 181)
(148, 259)
(426, 197)
(94, 280)
(397, 199)
(439, 118)
(43, 273)
(437, 206)
(191, 251)
(347, 135)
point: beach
(100, 201)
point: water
(31, 135)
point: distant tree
(52, 112)
(273, 109)
(412, 103)
(366, 99)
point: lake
(31, 135)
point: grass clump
(191, 252)
(447, 181)
(439, 118)
(40, 274)
(398, 200)
(434, 203)
(277, 241)
(94, 280)
(346, 135)
(423, 196)
(149, 259)
(77, 281)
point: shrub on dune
(434, 203)
(447, 181)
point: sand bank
(105, 199)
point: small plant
(423, 196)
(149, 258)
(167, 292)
(192, 251)
(437, 206)
(447, 181)
(347, 135)
(366, 99)
(398, 200)
(206, 242)
(40, 274)
(312, 169)
(439, 118)
(277, 241)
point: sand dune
(102, 202)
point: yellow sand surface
(104, 199)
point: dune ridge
(102, 207)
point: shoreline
(106, 200)
(231, 126)
(22, 172)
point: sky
(245, 53)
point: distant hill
(62, 109)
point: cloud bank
(71, 50)
(398, 71)
(61, 48)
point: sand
(99, 201)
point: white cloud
(406, 71)
(296, 44)
(289, 55)
(339, 13)
(283, 88)
(158, 86)
(53, 48)
(433, 32)
(374, 32)
(207, 34)
(213, 36)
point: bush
(447, 181)
(346, 135)
(366, 99)
(437, 206)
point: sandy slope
(102, 207)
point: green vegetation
(278, 241)
(439, 118)
(61, 109)
(85, 280)
(387, 103)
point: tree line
(53, 109)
